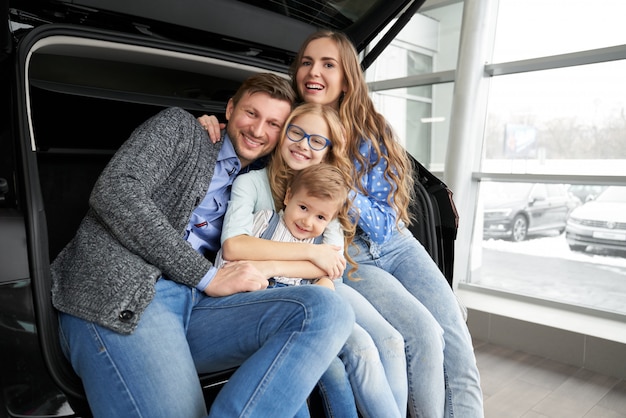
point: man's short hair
(275, 86)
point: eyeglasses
(316, 142)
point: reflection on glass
(562, 121)
(520, 245)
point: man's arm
(144, 201)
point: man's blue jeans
(405, 285)
(282, 340)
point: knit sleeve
(148, 190)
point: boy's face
(254, 125)
(299, 155)
(307, 216)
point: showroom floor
(517, 384)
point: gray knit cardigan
(133, 231)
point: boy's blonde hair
(322, 181)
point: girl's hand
(329, 259)
(212, 126)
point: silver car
(600, 223)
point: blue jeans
(372, 370)
(374, 359)
(405, 285)
(281, 340)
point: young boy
(316, 195)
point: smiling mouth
(251, 141)
(299, 156)
(317, 87)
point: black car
(77, 77)
(515, 211)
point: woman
(397, 275)
(374, 353)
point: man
(142, 311)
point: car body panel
(535, 208)
(599, 223)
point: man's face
(254, 125)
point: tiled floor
(517, 384)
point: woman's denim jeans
(374, 359)
(370, 368)
(280, 339)
(405, 285)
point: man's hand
(212, 126)
(235, 277)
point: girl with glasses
(371, 367)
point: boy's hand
(236, 277)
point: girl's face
(320, 77)
(299, 155)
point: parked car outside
(599, 223)
(515, 211)
(75, 79)
(585, 192)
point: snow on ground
(554, 246)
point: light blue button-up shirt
(205, 224)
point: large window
(551, 208)
(549, 129)
(411, 82)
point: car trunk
(81, 93)
(80, 90)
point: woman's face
(320, 77)
(299, 155)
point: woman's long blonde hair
(280, 174)
(362, 121)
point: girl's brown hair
(362, 121)
(280, 175)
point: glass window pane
(428, 43)
(420, 115)
(534, 28)
(561, 121)
(544, 241)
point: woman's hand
(213, 127)
(329, 259)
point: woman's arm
(212, 126)
(376, 216)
